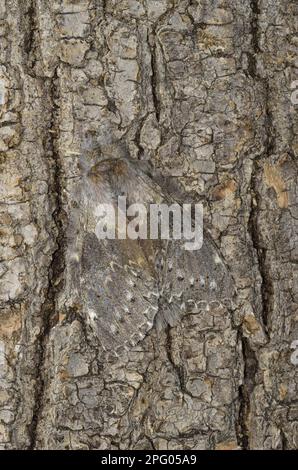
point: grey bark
(201, 92)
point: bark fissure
(249, 356)
(177, 368)
(255, 33)
(259, 248)
(49, 314)
(253, 225)
(245, 392)
(154, 75)
(30, 37)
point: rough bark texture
(201, 90)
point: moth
(126, 287)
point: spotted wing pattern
(124, 286)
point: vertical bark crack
(177, 369)
(255, 33)
(245, 391)
(253, 224)
(48, 311)
(260, 250)
(154, 72)
(249, 356)
(30, 36)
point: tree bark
(199, 91)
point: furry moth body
(124, 286)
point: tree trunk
(194, 98)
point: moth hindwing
(126, 285)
